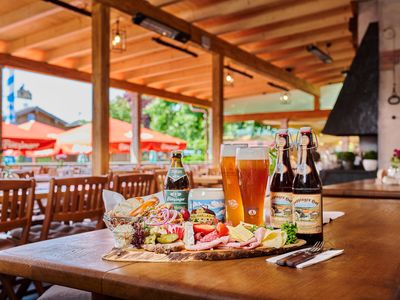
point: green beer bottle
(177, 186)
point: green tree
(178, 120)
(120, 109)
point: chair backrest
(74, 199)
(134, 185)
(25, 174)
(159, 179)
(17, 198)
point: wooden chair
(159, 179)
(134, 185)
(17, 206)
(24, 174)
(16, 212)
(73, 200)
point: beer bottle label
(176, 173)
(281, 208)
(307, 213)
(178, 198)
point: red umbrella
(15, 138)
(78, 140)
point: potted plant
(370, 161)
(347, 159)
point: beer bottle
(282, 182)
(176, 188)
(307, 191)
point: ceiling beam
(291, 115)
(216, 44)
(169, 67)
(54, 33)
(147, 60)
(26, 14)
(133, 49)
(192, 71)
(330, 18)
(48, 69)
(221, 8)
(320, 35)
(288, 11)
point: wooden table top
(369, 268)
(367, 188)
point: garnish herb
(291, 230)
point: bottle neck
(176, 162)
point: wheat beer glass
(233, 199)
(252, 165)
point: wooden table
(207, 180)
(367, 188)
(369, 268)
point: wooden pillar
(101, 84)
(217, 106)
(317, 103)
(1, 115)
(135, 101)
(284, 124)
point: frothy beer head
(229, 150)
(253, 153)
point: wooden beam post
(317, 103)
(217, 110)
(135, 102)
(1, 115)
(284, 123)
(101, 85)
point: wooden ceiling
(276, 31)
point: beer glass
(252, 165)
(233, 199)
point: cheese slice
(273, 239)
(240, 233)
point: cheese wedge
(273, 239)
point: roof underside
(274, 30)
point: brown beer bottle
(282, 182)
(307, 191)
(176, 188)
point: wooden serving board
(141, 255)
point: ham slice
(208, 245)
(252, 240)
(258, 236)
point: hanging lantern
(285, 98)
(229, 80)
(118, 38)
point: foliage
(272, 160)
(247, 128)
(178, 120)
(346, 156)
(370, 155)
(120, 109)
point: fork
(293, 262)
(314, 249)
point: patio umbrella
(15, 138)
(38, 129)
(78, 140)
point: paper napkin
(317, 259)
(331, 215)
